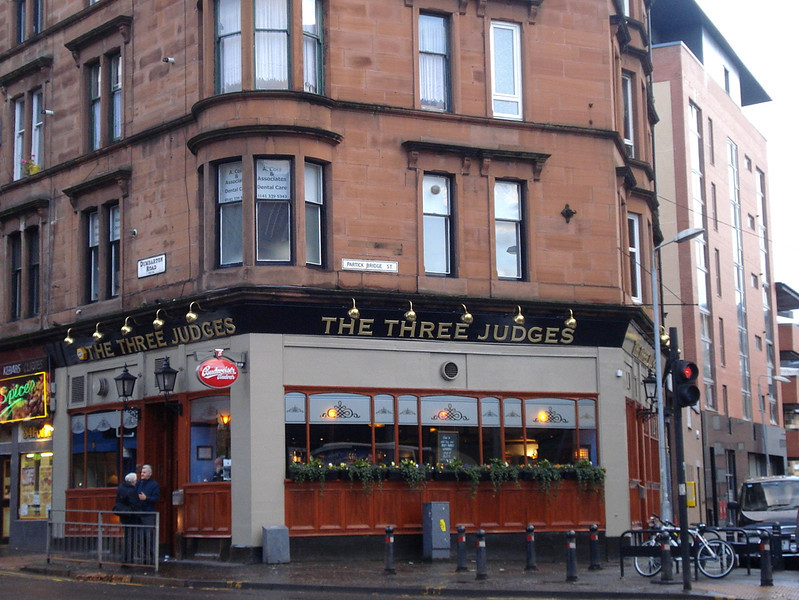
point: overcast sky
(763, 34)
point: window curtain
(433, 61)
(271, 44)
(229, 45)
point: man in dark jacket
(149, 494)
(127, 497)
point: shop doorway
(159, 451)
(5, 500)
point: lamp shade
(125, 383)
(165, 377)
(650, 385)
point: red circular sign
(217, 373)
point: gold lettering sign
(195, 332)
(396, 328)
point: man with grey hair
(127, 503)
(149, 494)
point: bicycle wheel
(648, 566)
(716, 558)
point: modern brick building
(292, 182)
(712, 172)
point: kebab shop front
(26, 454)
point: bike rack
(630, 549)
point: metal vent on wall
(78, 390)
(449, 370)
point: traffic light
(683, 377)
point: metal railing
(97, 536)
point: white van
(768, 500)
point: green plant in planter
(364, 471)
(543, 472)
(414, 474)
(313, 470)
(589, 476)
(471, 474)
(500, 471)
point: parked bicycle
(715, 558)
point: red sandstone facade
(129, 113)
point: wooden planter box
(343, 509)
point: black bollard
(390, 551)
(593, 548)
(571, 556)
(462, 566)
(482, 567)
(666, 562)
(531, 566)
(777, 562)
(766, 578)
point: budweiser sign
(217, 372)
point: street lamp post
(665, 471)
(761, 398)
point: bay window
(253, 45)
(314, 214)
(312, 58)
(634, 253)
(257, 200)
(229, 195)
(273, 210)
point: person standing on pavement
(149, 493)
(127, 497)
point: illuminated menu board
(23, 397)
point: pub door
(159, 451)
(5, 499)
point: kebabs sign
(23, 398)
(217, 372)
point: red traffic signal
(684, 374)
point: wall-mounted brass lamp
(97, 335)
(192, 315)
(570, 322)
(519, 317)
(466, 317)
(354, 313)
(410, 314)
(158, 322)
(127, 328)
(69, 340)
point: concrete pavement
(507, 578)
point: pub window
(104, 448)
(337, 427)
(210, 439)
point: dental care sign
(217, 372)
